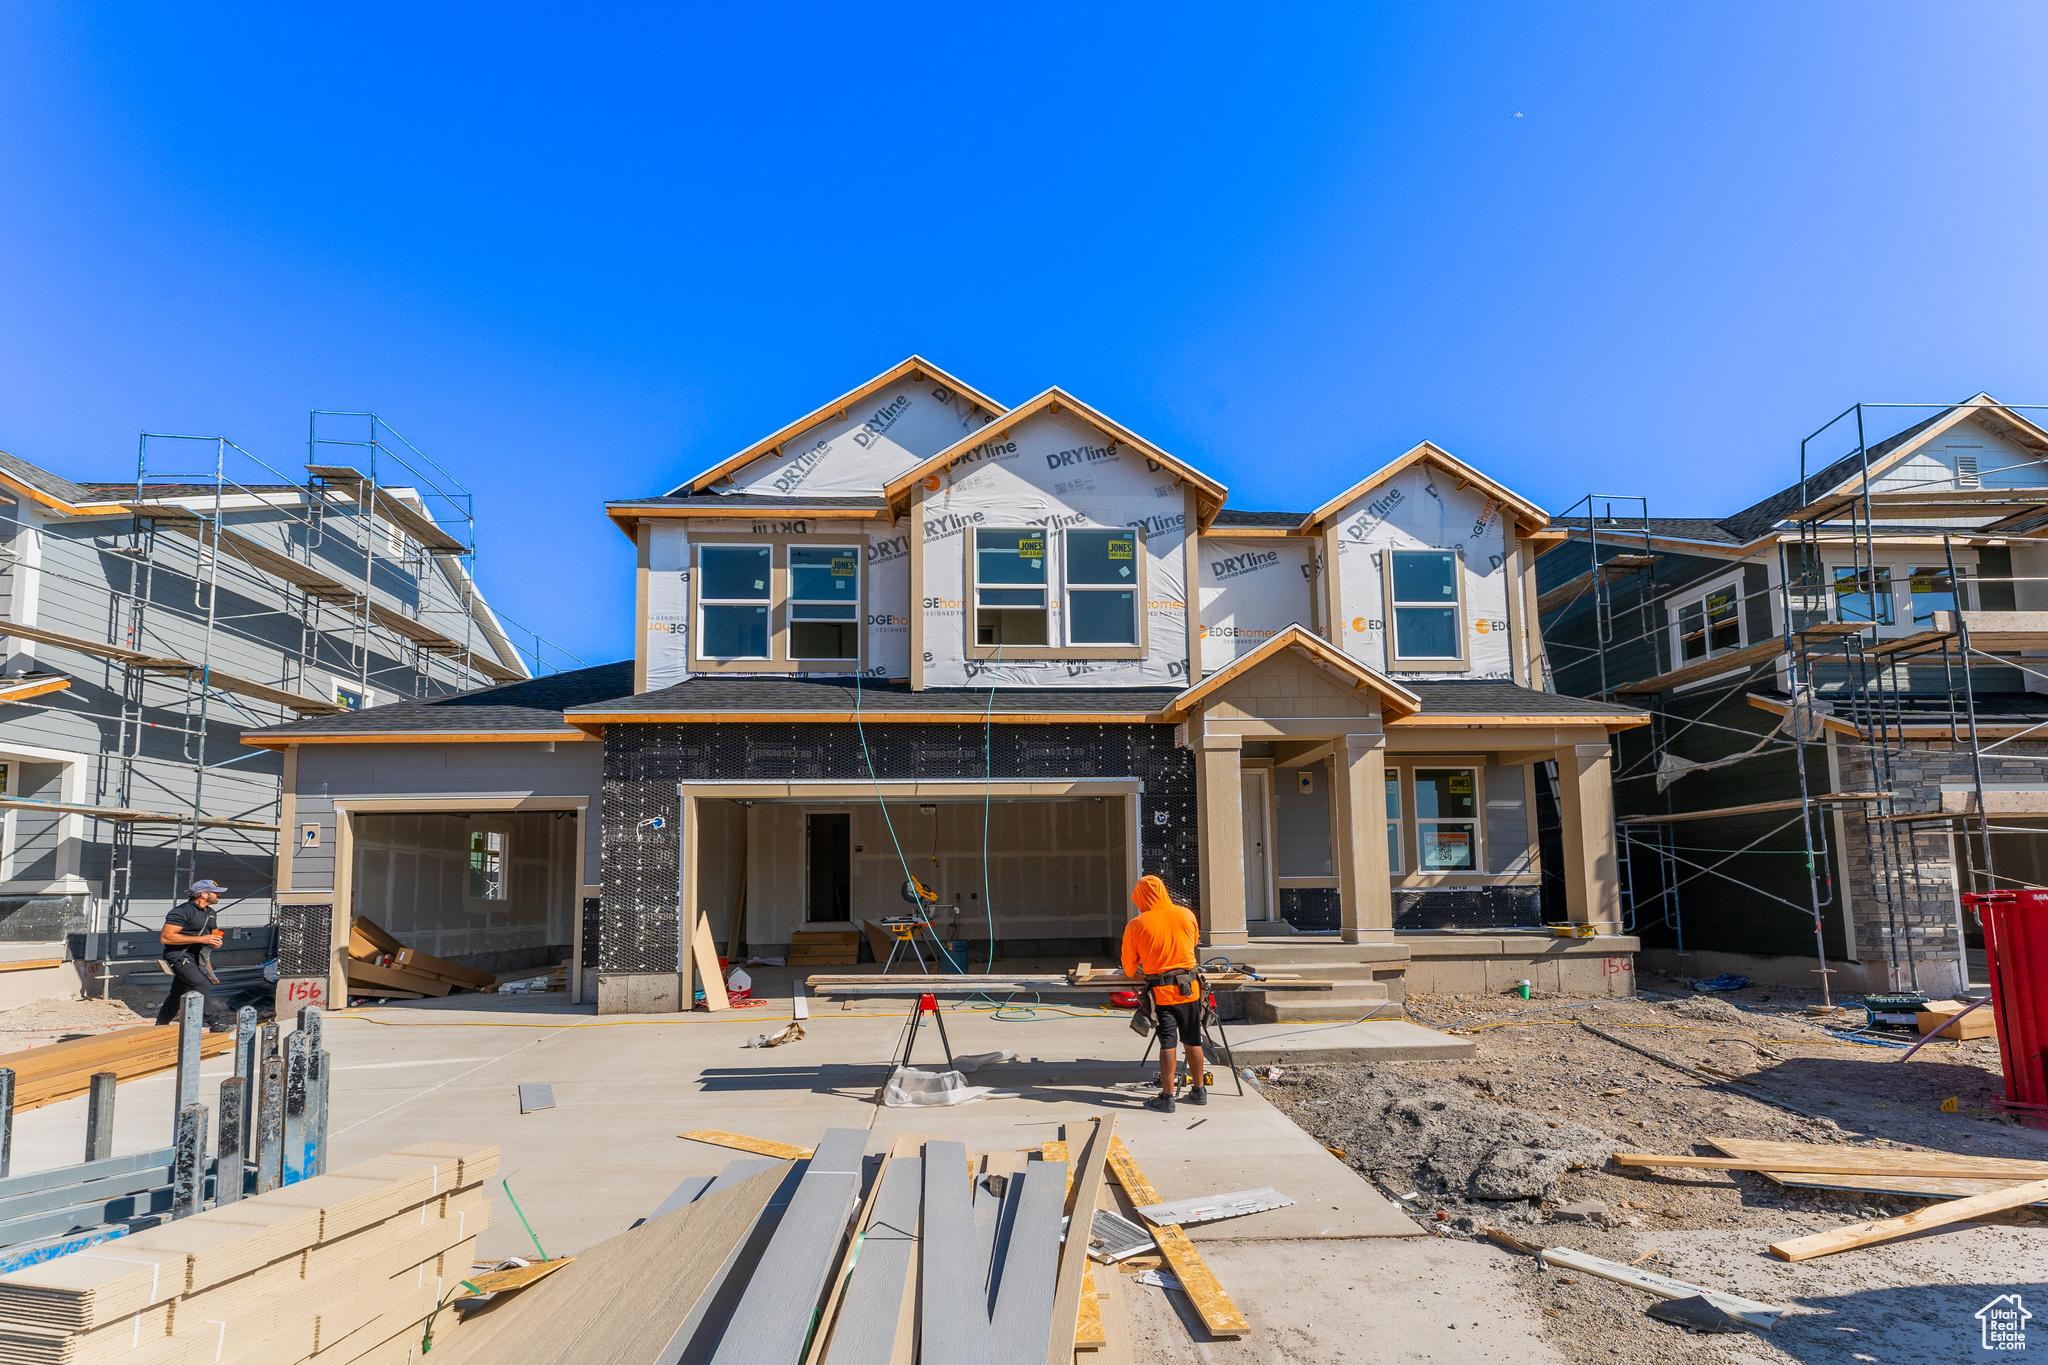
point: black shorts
(1176, 1020)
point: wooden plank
(412, 959)
(866, 1329)
(1933, 1216)
(782, 1296)
(759, 1146)
(40, 964)
(1923, 1187)
(1088, 1330)
(1218, 1313)
(1073, 1260)
(1116, 1326)
(518, 1277)
(370, 974)
(949, 1267)
(1846, 1161)
(704, 955)
(1758, 808)
(1617, 566)
(1734, 660)
(374, 932)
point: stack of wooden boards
(950, 1257)
(61, 1071)
(341, 1268)
(825, 948)
(1969, 1186)
(380, 965)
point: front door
(1257, 804)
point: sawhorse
(925, 1002)
(1221, 1037)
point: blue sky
(582, 255)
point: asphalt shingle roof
(1286, 521)
(765, 502)
(835, 695)
(43, 481)
(1493, 698)
(531, 704)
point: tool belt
(1145, 1018)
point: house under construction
(150, 621)
(1846, 683)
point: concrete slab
(1387, 1040)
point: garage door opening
(493, 890)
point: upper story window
(824, 602)
(350, 698)
(1864, 594)
(1709, 622)
(1425, 609)
(1102, 587)
(734, 590)
(1010, 587)
(1931, 590)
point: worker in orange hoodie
(1159, 946)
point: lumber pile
(827, 1256)
(345, 1268)
(380, 965)
(1969, 1186)
(825, 948)
(62, 1071)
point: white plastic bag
(908, 1088)
(976, 1061)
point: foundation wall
(1938, 978)
(1590, 968)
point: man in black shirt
(188, 931)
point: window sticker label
(844, 566)
(1122, 549)
(1461, 784)
(1032, 547)
(1446, 848)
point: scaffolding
(1844, 677)
(268, 558)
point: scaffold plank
(1736, 659)
(421, 528)
(253, 553)
(1759, 808)
(130, 816)
(1569, 590)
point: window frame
(356, 690)
(1057, 627)
(1477, 819)
(1397, 848)
(470, 871)
(1696, 594)
(1459, 663)
(779, 659)
(1068, 588)
(792, 601)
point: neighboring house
(1025, 656)
(1839, 611)
(146, 627)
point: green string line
(522, 1219)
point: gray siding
(1508, 833)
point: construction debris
(62, 1071)
(1933, 1216)
(1209, 1208)
(379, 965)
(790, 1034)
(1749, 1311)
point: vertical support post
(188, 1162)
(227, 1166)
(1585, 808)
(248, 1066)
(295, 1057)
(99, 1116)
(1365, 894)
(191, 1029)
(1219, 803)
(6, 1118)
(270, 1128)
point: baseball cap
(215, 887)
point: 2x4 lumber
(1218, 1313)
(1933, 1216)
(1073, 1262)
(783, 1294)
(41, 1081)
(1734, 660)
(1824, 1161)
(1970, 1179)
(1758, 808)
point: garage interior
(493, 890)
(1058, 869)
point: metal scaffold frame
(1838, 673)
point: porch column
(1364, 890)
(1219, 799)
(1585, 804)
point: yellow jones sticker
(1031, 549)
(1461, 784)
(1122, 549)
(844, 567)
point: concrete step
(1324, 971)
(1310, 950)
(1342, 1004)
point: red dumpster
(2016, 952)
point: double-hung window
(1933, 590)
(1864, 594)
(1447, 819)
(1425, 610)
(734, 589)
(1709, 623)
(1010, 587)
(824, 602)
(1102, 587)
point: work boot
(1197, 1094)
(1163, 1102)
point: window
(1933, 590)
(1009, 588)
(1864, 595)
(824, 602)
(486, 865)
(1446, 819)
(350, 698)
(732, 598)
(1102, 587)
(1424, 604)
(1709, 624)
(1394, 820)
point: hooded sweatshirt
(1160, 939)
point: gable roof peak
(1528, 513)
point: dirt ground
(1434, 1130)
(50, 1021)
